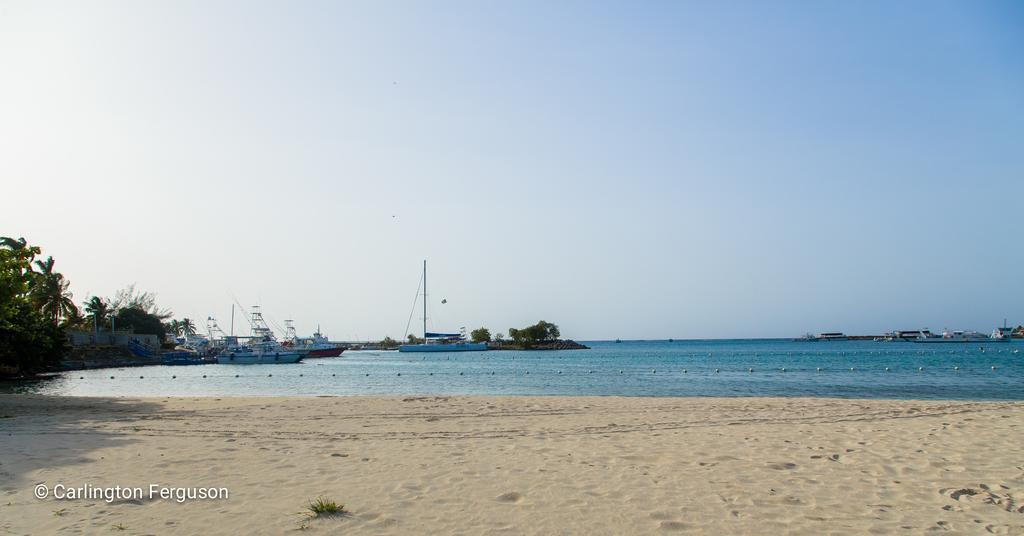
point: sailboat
(440, 342)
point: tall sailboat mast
(424, 301)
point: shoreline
(537, 465)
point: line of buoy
(587, 371)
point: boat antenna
(424, 301)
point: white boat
(315, 346)
(440, 342)
(262, 348)
(955, 337)
(831, 336)
(258, 353)
(1003, 334)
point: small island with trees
(541, 336)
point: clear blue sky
(633, 170)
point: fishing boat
(314, 346)
(440, 342)
(262, 348)
(267, 352)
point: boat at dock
(440, 342)
(258, 353)
(315, 346)
(262, 347)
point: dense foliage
(540, 332)
(37, 307)
(31, 307)
(480, 335)
(139, 321)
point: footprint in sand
(782, 466)
(673, 525)
(509, 497)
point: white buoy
(887, 369)
(653, 371)
(851, 369)
(819, 369)
(750, 370)
(993, 367)
(956, 368)
(684, 371)
(920, 369)
(716, 371)
(620, 372)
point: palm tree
(174, 327)
(75, 320)
(98, 308)
(51, 293)
(19, 245)
(187, 327)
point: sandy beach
(516, 465)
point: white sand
(534, 465)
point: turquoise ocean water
(855, 369)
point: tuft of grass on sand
(59, 513)
(325, 507)
(119, 526)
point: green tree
(480, 335)
(29, 342)
(99, 309)
(540, 332)
(75, 320)
(388, 342)
(140, 321)
(50, 291)
(187, 327)
(130, 298)
(499, 337)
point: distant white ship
(831, 336)
(999, 335)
